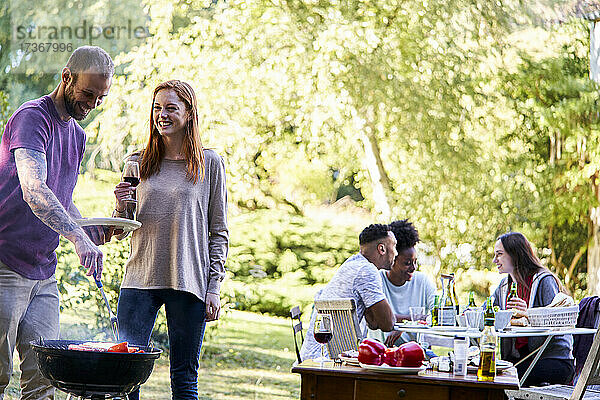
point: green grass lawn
(247, 356)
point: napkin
(562, 300)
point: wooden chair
(346, 330)
(295, 314)
(589, 376)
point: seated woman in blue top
(536, 287)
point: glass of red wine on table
(323, 332)
(131, 174)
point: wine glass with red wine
(323, 332)
(131, 174)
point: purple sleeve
(29, 129)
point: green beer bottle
(435, 311)
(489, 310)
(471, 305)
(513, 291)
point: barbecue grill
(94, 374)
(91, 374)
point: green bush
(273, 243)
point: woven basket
(553, 316)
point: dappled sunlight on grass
(247, 358)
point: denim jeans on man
(28, 311)
(186, 319)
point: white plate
(350, 360)
(127, 225)
(386, 369)
(405, 325)
(449, 328)
(525, 329)
(501, 365)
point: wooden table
(343, 382)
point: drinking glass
(323, 332)
(473, 318)
(502, 319)
(417, 313)
(131, 174)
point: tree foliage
(556, 140)
(460, 115)
(4, 111)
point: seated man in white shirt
(358, 278)
(403, 285)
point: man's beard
(69, 98)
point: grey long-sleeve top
(543, 289)
(183, 241)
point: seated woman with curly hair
(403, 285)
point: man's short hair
(406, 234)
(91, 59)
(373, 232)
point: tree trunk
(379, 178)
(593, 257)
(593, 254)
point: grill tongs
(113, 318)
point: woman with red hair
(178, 255)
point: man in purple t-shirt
(40, 153)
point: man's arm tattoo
(31, 168)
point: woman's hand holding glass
(122, 194)
(125, 190)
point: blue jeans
(186, 315)
(28, 311)
(547, 370)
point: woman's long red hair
(191, 149)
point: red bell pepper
(411, 355)
(392, 357)
(371, 352)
